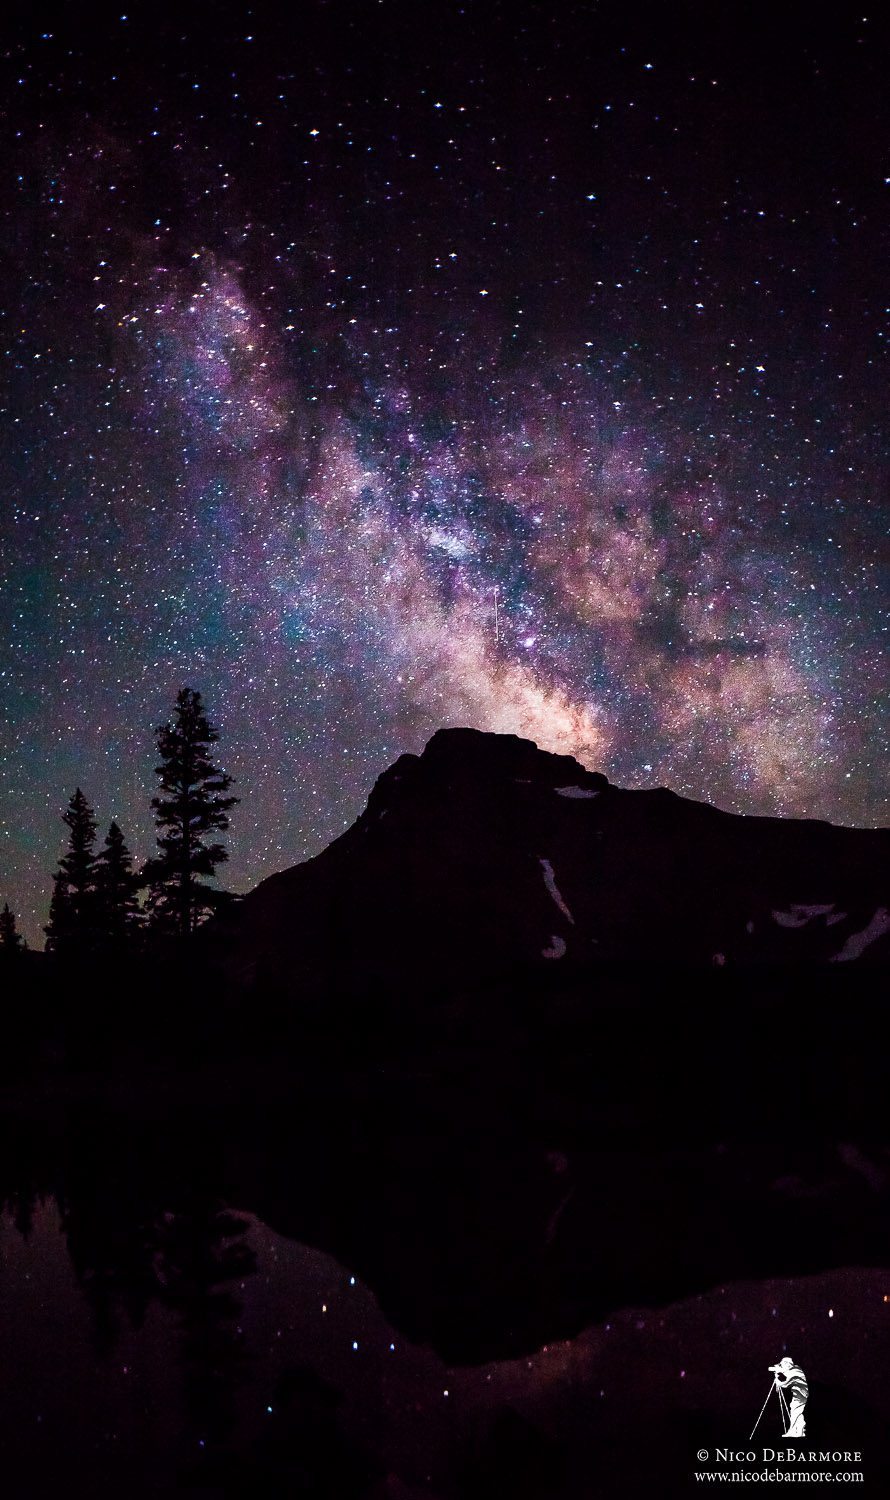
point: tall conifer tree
(72, 922)
(58, 929)
(10, 937)
(117, 906)
(192, 806)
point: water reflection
(384, 1289)
(256, 1364)
(214, 1351)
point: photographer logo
(790, 1389)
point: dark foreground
(527, 1248)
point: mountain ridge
(484, 852)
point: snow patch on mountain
(553, 888)
(800, 915)
(857, 942)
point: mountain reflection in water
(475, 1332)
(214, 1337)
(256, 1361)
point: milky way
(519, 371)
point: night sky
(373, 367)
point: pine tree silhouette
(59, 928)
(10, 937)
(73, 906)
(118, 915)
(192, 806)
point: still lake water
(258, 1363)
(390, 1285)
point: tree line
(100, 903)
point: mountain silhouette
(485, 854)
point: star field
(521, 367)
